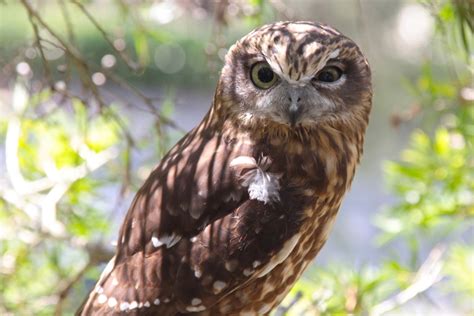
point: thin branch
(44, 62)
(67, 20)
(82, 66)
(67, 287)
(33, 14)
(128, 61)
(428, 275)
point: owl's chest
(277, 277)
(311, 188)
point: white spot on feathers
(262, 185)
(133, 305)
(195, 308)
(102, 299)
(156, 301)
(243, 160)
(112, 302)
(115, 282)
(168, 240)
(196, 301)
(146, 304)
(231, 265)
(198, 274)
(218, 286)
(155, 241)
(124, 306)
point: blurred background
(93, 93)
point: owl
(237, 210)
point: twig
(82, 66)
(426, 277)
(128, 61)
(44, 62)
(66, 289)
(33, 14)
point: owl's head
(295, 74)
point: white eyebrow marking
(334, 53)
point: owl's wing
(192, 234)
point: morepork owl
(237, 210)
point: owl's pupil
(327, 76)
(265, 74)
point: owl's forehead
(296, 51)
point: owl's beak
(293, 116)
(294, 110)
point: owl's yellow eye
(329, 74)
(262, 75)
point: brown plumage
(236, 211)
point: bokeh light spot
(23, 69)
(170, 58)
(98, 79)
(108, 61)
